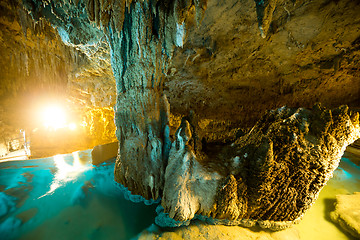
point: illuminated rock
(201, 231)
(347, 213)
(140, 53)
(140, 36)
(7, 204)
(189, 187)
(269, 177)
(265, 10)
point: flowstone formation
(269, 176)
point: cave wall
(226, 71)
(305, 53)
(39, 67)
(30, 51)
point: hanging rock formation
(269, 176)
(265, 10)
(226, 72)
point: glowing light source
(72, 126)
(54, 117)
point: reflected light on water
(66, 172)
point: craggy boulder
(270, 176)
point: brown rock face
(289, 156)
(227, 72)
(38, 68)
(270, 176)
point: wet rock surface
(202, 231)
(347, 213)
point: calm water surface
(66, 197)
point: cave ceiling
(227, 69)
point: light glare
(72, 126)
(54, 117)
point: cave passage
(230, 113)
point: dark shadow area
(329, 207)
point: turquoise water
(66, 197)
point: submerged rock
(7, 204)
(9, 227)
(347, 213)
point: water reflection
(65, 172)
(84, 202)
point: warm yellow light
(54, 117)
(72, 126)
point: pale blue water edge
(66, 197)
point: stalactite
(181, 10)
(112, 13)
(265, 10)
(118, 11)
(200, 8)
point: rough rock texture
(100, 125)
(37, 67)
(141, 112)
(33, 60)
(31, 51)
(347, 213)
(228, 74)
(265, 10)
(269, 176)
(141, 36)
(189, 187)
